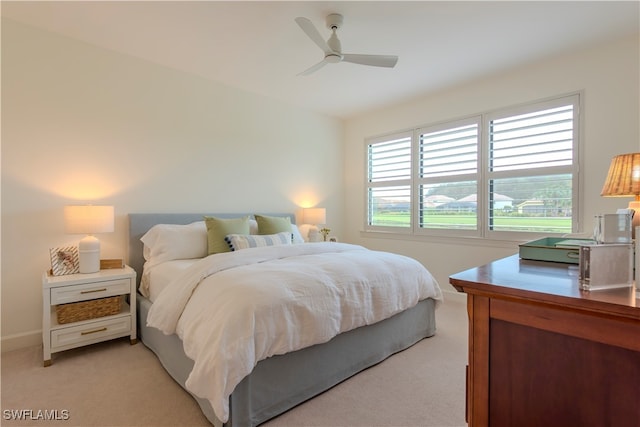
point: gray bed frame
(279, 383)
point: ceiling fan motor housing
(334, 21)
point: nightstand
(93, 289)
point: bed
(279, 382)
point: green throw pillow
(218, 228)
(273, 224)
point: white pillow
(244, 241)
(297, 237)
(166, 242)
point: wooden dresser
(543, 353)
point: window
(448, 176)
(498, 174)
(389, 178)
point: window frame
(483, 176)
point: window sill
(449, 240)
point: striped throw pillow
(244, 241)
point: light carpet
(116, 384)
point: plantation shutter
(389, 181)
(536, 140)
(531, 159)
(447, 176)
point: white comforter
(234, 309)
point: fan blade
(375, 60)
(311, 31)
(314, 68)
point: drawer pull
(93, 332)
(93, 290)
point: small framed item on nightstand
(64, 261)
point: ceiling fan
(333, 50)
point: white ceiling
(258, 47)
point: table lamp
(315, 217)
(89, 220)
(623, 180)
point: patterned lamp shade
(623, 179)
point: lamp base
(314, 234)
(89, 254)
(635, 222)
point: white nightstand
(74, 288)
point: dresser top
(547, 282)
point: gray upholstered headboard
(140, 223)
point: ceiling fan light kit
(332, 48)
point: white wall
(608, 77)
(84, 124)
(80, 123)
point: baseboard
(18, 341)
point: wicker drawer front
(92, 332)
(85, 310)
(67, 294)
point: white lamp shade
(314, 216)
(88, 219)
